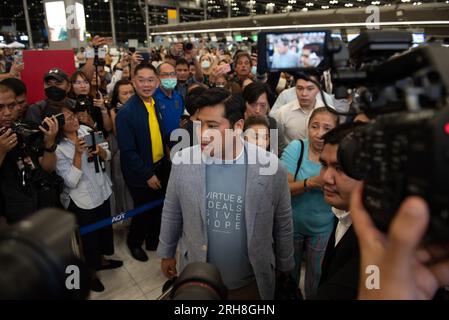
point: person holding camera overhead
(26, 160)
(87, 191)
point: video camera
(404, 151)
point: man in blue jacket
(144, 164)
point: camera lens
(188, 46)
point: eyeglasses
(168, 74)
(78, 83)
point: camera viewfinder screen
(295, 50)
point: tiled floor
(135, 280)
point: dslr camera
(404, 150)
(84, 103)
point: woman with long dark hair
(91, 109)
(123, 90)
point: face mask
(205, 64)
(254, 70)
(55, 93)
(169, 83)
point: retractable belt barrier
(120, 217)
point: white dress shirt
(87, 189)
(289, 95)
(294, 120)
(344, 222)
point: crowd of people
(104, 141)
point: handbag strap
(301, 154)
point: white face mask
(205, 64)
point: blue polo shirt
(170, 110)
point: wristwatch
(51, 149)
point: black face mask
(55, 93)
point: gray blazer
(268, 217)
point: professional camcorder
(404, 151)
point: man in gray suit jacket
(224, 206)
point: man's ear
(239, 125)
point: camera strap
(301, 155)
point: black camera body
(84, 103)
(399, 155)
(404, 151)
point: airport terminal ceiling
(130, 14)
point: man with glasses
(169, 101)
(56, 85)
(22, 168)
(144, 162)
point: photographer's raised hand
(136, 59)
(406, 271)
(8, 141)
(50, 134)
(99, 103)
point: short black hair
(145, 65)
(191, 98)
(16, 85)
(233, 104)
(254, 90)
(256, 120)
(182, 61)
(336, 135)
(309, 75)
